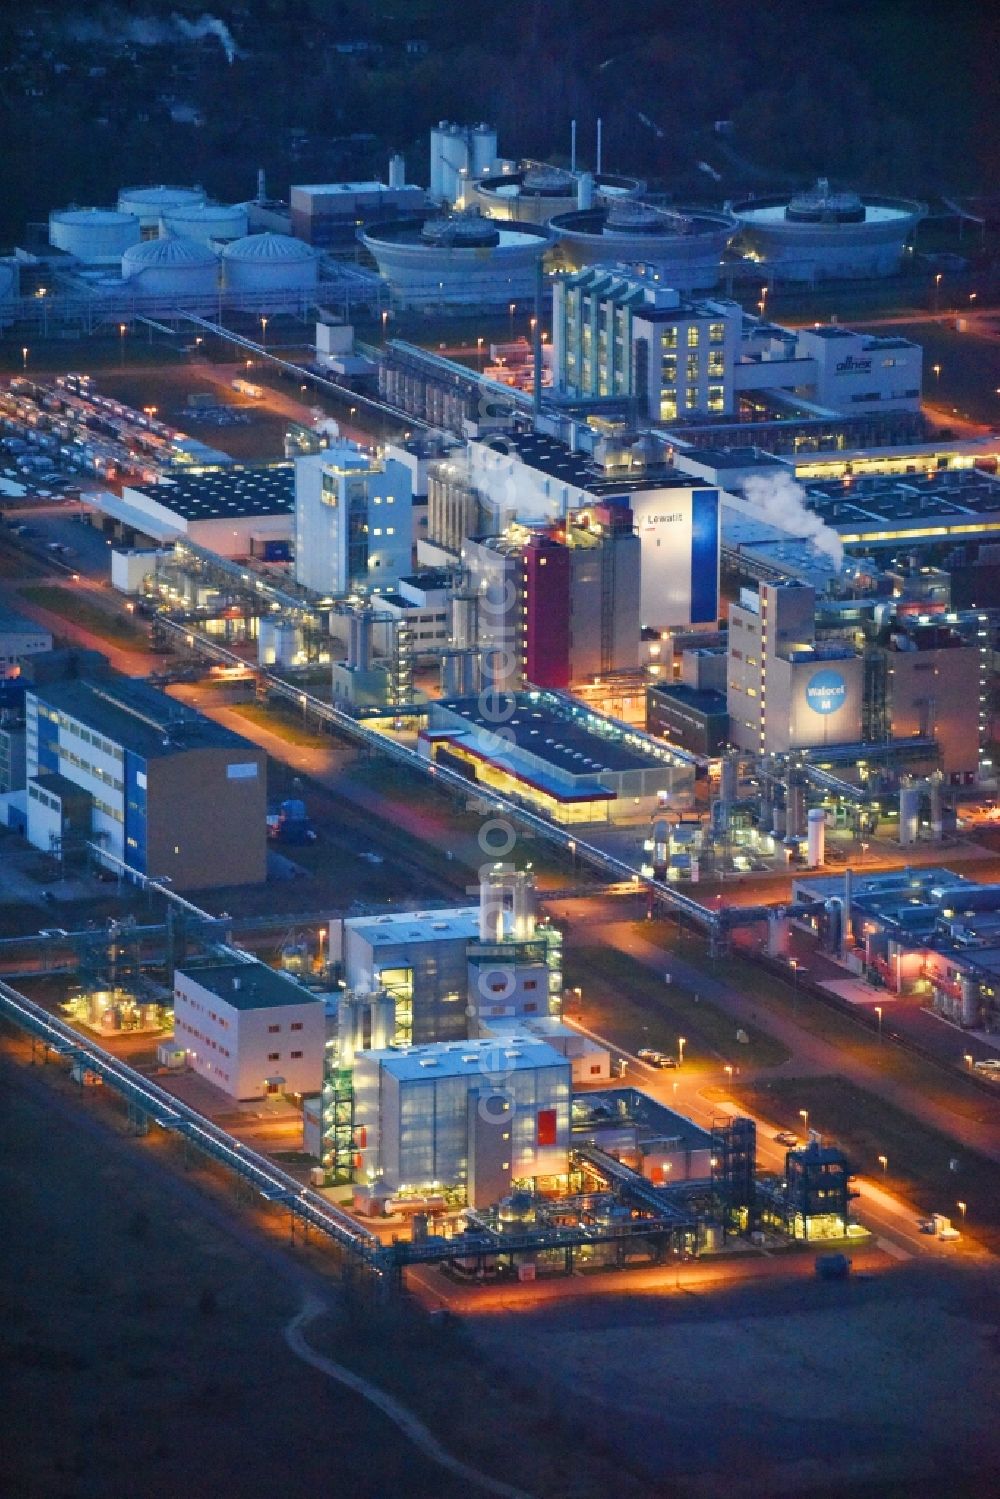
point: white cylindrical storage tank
(151, 204)
(484, 149)
(171, 267)
(463, 621)
(269, 263)
(585, 190)
(96, 236)
(208, 221)
(816, 835)
(909, 813)
(795, 805)
(8, 290)
(278, 643)
(397, 170)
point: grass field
(918, 1157)
(88, 616)
(281, 722)
(648, 1012)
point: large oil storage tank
(151, 204)
(209, 221)
(685, 245)
(459, 261)
(273, 263)
(96, 236)
(536, 192)
(821, 234)
(171, 266)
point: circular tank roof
(173, 250)
(281, 247)
(464, 231)
(547, 181)
(819, 205)
(198, 212)
(162, 196)
(92, 216)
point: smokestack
(537, 341)
(572, 145)
(599, 129)
(261, 186)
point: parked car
(654, 1058)
(785, 1137)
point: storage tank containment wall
(151, 204)
(172, 266)
(269, 262)
(208, 221)
(96, 236)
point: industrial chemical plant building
(353, 520)
(153, 784)
(249, 1030)
(576, 765)
(234, 510)
(533, 477)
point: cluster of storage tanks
(172, 242)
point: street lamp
(263, 330)
(122, 330)
(962, 1207)
(864, 850)
(24, 358)
(728, 1070)
(804, 1116)
(937, 371)
(479, 352)
(967, 1059)
(681, 1043)
(385, 319)
(883, 1161)
(510, 309)
(878, 1012)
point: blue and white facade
(679, 537)
(353, 521)
(166, 791)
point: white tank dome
(269, 247)
(171, 266)
(149, 204)
(207, 221)
(269, 262)
(97, 236)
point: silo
(458, 673)
(795, 804)
(909, 812)
(273, 263)
(278, 643)
(208, 221)
(359, 648)
(171, 267)
(585, 190)
(463, 620)
(397, 170)
(383, 1020)
(96, 236)
(816, 833)
(8, 290)
(484, 149)
(151, 204)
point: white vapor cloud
(779, 500)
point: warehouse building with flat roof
(232, 510)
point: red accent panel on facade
(546, 1126)
(545, 592)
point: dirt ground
(142, 1351)
(884, 1388)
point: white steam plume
(779, 500)
(324, 425)
(207, 25)
(146, 31)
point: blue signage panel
(826, 691)
(704, 556)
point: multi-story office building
(630, 336)
(353, 522)
(249, 1030)
(171, 793)
(562, 601)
